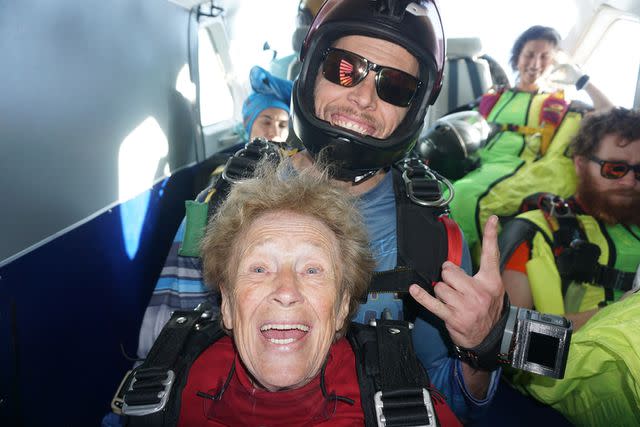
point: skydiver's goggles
(348, 69)
(615, 169)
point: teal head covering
(269, 91)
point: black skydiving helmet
(417, 27)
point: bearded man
(573, 257)
(578, 258)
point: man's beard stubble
(603, 206)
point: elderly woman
(290, 256)
(527, 154)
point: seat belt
(452, 97)
(474, 76)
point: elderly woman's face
(284, 311)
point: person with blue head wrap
(265, 113)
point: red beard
(605, 206)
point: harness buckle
(417, 399)
(411, 167)
(146, 391)
(556, 206)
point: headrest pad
(463, 47)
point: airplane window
(216, 101)
(499, 30)
(260, 34)
(614, 63)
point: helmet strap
(357, 180)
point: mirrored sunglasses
(348, 69)
(615, 169)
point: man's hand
(469, 306)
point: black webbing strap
(611, 278)
(153, 379)
(474, 76)
(176, 348)
(403, 398)
(397, 280)
(576, 257)
(422, 243)
(170, 343)
(452, 99)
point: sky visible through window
(496, 22)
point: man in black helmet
(370, 69)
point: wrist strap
(582, 81)
(484, 356)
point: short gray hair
(309, 192)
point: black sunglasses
(348, 69)
(615, 170)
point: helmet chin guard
(414, 25)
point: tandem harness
(426, 235)
(576, 258)
(394, 387)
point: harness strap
(423, 240)
(577, 258)
(403, 399)
(396, 385)
(151, 394)
(148, 387)
(454, 240)
(613, 279)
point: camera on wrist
(536, 342)
(524, 339)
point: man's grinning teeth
(351, 126)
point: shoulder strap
(151, 394)
(423, 242)
(553, 110)
(513, 234)
(394, 387)
(454, 239)
(489, 100)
